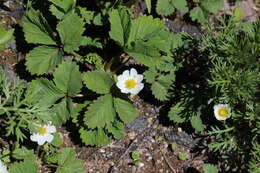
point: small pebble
(102, 150)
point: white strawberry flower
(3, 167)
(130, 82)
(222, 111)
(44, 134)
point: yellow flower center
(42, 130)
(223, 112)
(130, 83)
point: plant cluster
(87, 80)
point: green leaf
(159, 91)
(145, 54)
(68, 78)
(70, 35)
(148, 5)
(116, 128)
(197, 123)
(98, 81)
(5, 36)
(145, 27)
(88, 16)
(209, 168)
(60, 8)
(22, 153)
(120, 21)
(181, 5)
(36, 28)
(175, 114)
(183, 155)
(28, 164)
(87, 41)
(238, 13)
(43, 59)
(94, 137)
(198, 14)
(68, 163)
(101, 112)
(212, 5)
(165, 7)
(42, 92)
(125, 110)
(150, 75)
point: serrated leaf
(19, 167)
(5, 36)
(98, 81)
(209, 168)
(145, 54)
(116, 128)
(150, 75)
(175, 41)
(212, 5)
(87, 41)
(100, 113)
(175, 114)
(36, 28)
(88, 16)
(165, 7)
(43, 59)
(120, 21)
(198, 14)
(60, 8)
(22, 153)
(159, 91)
(94, 137)
(68, 78)
(68, 163)
(42, 92)
(70, 30)
(180, 5)
(145, 27)
(197, 123)
(126, 111)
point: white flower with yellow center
(3, 167)
(222, 111)
(130, 82)
(44, 134)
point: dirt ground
(157, 143)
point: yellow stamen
(42, 130)
(223, 112)
(130, 83)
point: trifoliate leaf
(175, 114)
(22, 153)
(212, 5)
(70, 30)
(197, 123)
(120, 21)
(60, 8)
(68, 78)
(145, 27)
(98, 81)
(43, 59)
(36, 28)
(88, 16)
(100, 113)
(209, 168)
(125, 110)
(145, 54)
(198, 14)
(159, 91)
(165, 7)
(68, 163)
(94, 137)
(28, 164)
(42, 92)
(5, 36)
(116, 128)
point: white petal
(3, 167)
(51, 129)
(139, 78)
(120, 78)
(34, 137)
(133, 72)
(137, 89)
(49, 138)
(126, 73)
(41, 140)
